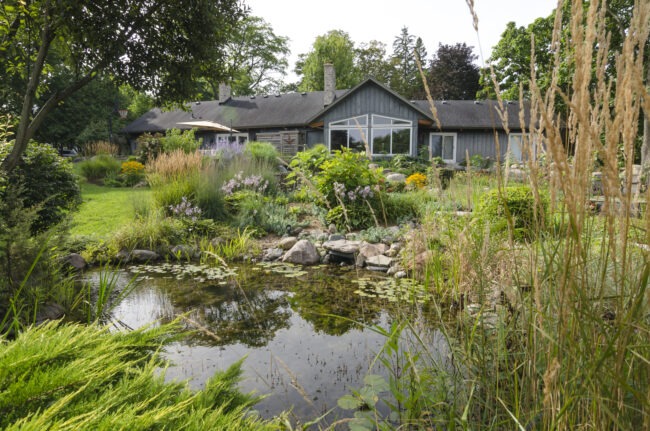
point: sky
(435, 21)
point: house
(369, 117)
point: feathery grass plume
(96, 148)
(172, 166)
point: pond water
(283, 320)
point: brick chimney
(330, 83)
(224, 93)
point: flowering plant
(185, 210)
(255, 183)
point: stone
(379, 261)
(394, 249)
(75, 261)
(302, 253)
(273, 254)
(217, 241)
(396, 178)
(143, 256)
(369, 250)
(342, 246)
(287, 242)
(335, 237)
(123, 256)
(332, 228)
(49, 311)
(400, 274)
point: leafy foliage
(262, 151)
(452, 74)
(336, 48)
(513, 206)
(45, 181)
(175, 140)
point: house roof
(475, 114)
(294, 110)
(244, 112)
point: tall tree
(256, 59)
(406, 76)
(336, 48)
(372, 60)
(157, 46)
(452, 73)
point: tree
(334, 47)
(371, 60)
(452, 73)
(256, 59)
(406, 77)
(154, 46)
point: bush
(132, 172)
(176, 140)
(347, 168)
(262, 151)
(515, 203)
(149, 147)
(100, 167)
(46, 181)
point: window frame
(350, 125)
(442, 152)
(402, 124)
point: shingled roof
(245, 112)
(293, 110)
(476, 114)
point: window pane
(401, 122)
(401, 141)
(379, 120)
(338, 139)
(448, 148)
(381, 141)
(361, 120)
(356, 142)
(436, 146)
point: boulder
(379, 261)
(75, 261)
(182, 251)
(394, 249)
(143, 256)
(287, 242)
(342, 246)
(302, 253)
(123, 256)
(273, 254)
(396, 178)
(369, 250)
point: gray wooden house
(369, 117)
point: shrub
(100, 167)
(45, 180)
(149, 147)
(516, 203)
(347, 168)
(416, 181)
(173, 166)
(175, 140)
(262, 151)
(133, 172)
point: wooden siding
(482, 143)
(288, 143)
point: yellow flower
(416, 180)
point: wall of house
(371, 99)
(480, 142)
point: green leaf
(349, 402)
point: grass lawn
(106, 209)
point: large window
(390, 136)
(350, 133)
(443, 145)
(522, 147)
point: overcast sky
(435, 21)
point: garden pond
(308, 335)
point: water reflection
(283, 320)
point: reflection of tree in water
(330, 304)
(251, 318)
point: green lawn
(106, 209)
